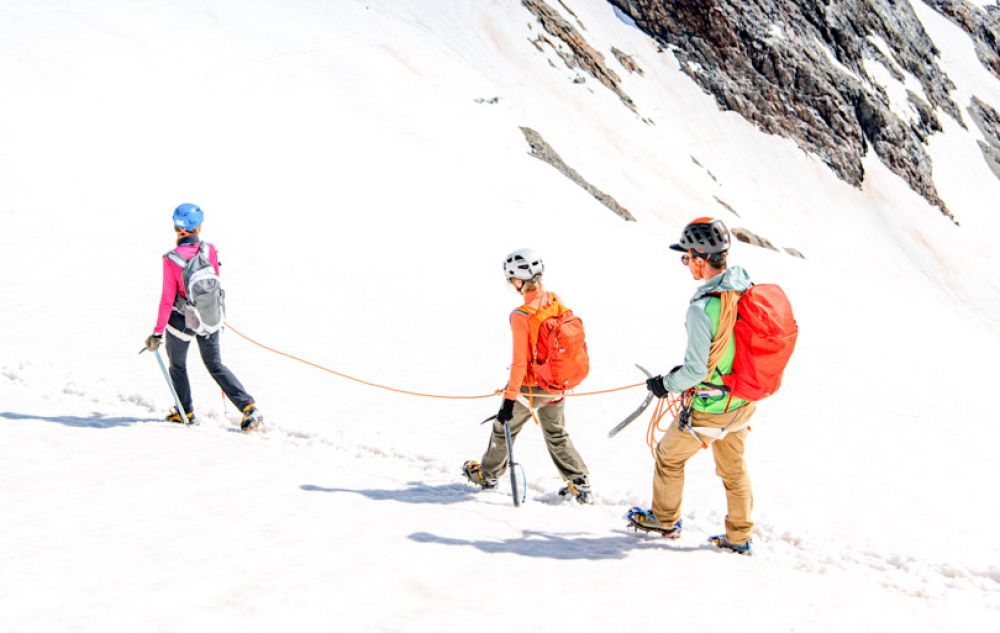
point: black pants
(211, 355)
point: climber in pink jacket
(171, 319)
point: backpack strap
(724, 333)
(537, 315)
(176, 258)
(184, 264)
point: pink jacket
(173, 282)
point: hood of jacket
(734, 278)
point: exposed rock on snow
(988, 120)
(749, 237)
(543, 151)
(707, 170)
(982, 24)
(798, 70)
(725, 205)
(627, 61)
(580, 54)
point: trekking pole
(170, 383)
(511, 464)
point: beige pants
(677, 447)
(550, 409)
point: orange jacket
(520, 327)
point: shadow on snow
(95, 421)
(560, 546)
(535, 544)
(418, 492)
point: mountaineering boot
(174, 416)
(720, 541)
(252, 418)
(474, 473)
(644, 520)
(579, 488)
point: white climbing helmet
(524, 264)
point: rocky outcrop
(988, 121)
(627, 61)
(800, 69)
(725, 205)
(982, 24)
(543, 151)
(748, 237)
(573, 48)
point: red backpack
(559, 351)
(765, 334)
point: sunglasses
(686, 258)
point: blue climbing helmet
(188, 217)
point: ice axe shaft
(510, 458)
(511, 464)
(173, 392)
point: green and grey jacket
(702, 323)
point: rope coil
(669, 404)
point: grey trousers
(550, 409)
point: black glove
(655, 384)
(153, 342)
(506, 412)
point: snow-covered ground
(362, 200)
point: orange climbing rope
(363, 382)
(602, 391)
(407, 391)
(671, 405)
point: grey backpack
(204, 309)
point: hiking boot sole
(673, 533)
(251, 425)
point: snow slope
(362, 200)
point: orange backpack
(559, 351)
(765, 333)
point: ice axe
(170, 383)
(510, 459)
(642, 407)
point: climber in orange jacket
(523, 269)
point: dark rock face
(575, 51)
(988, 121)
(796, 68)
(544, 152)
(982, 24)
